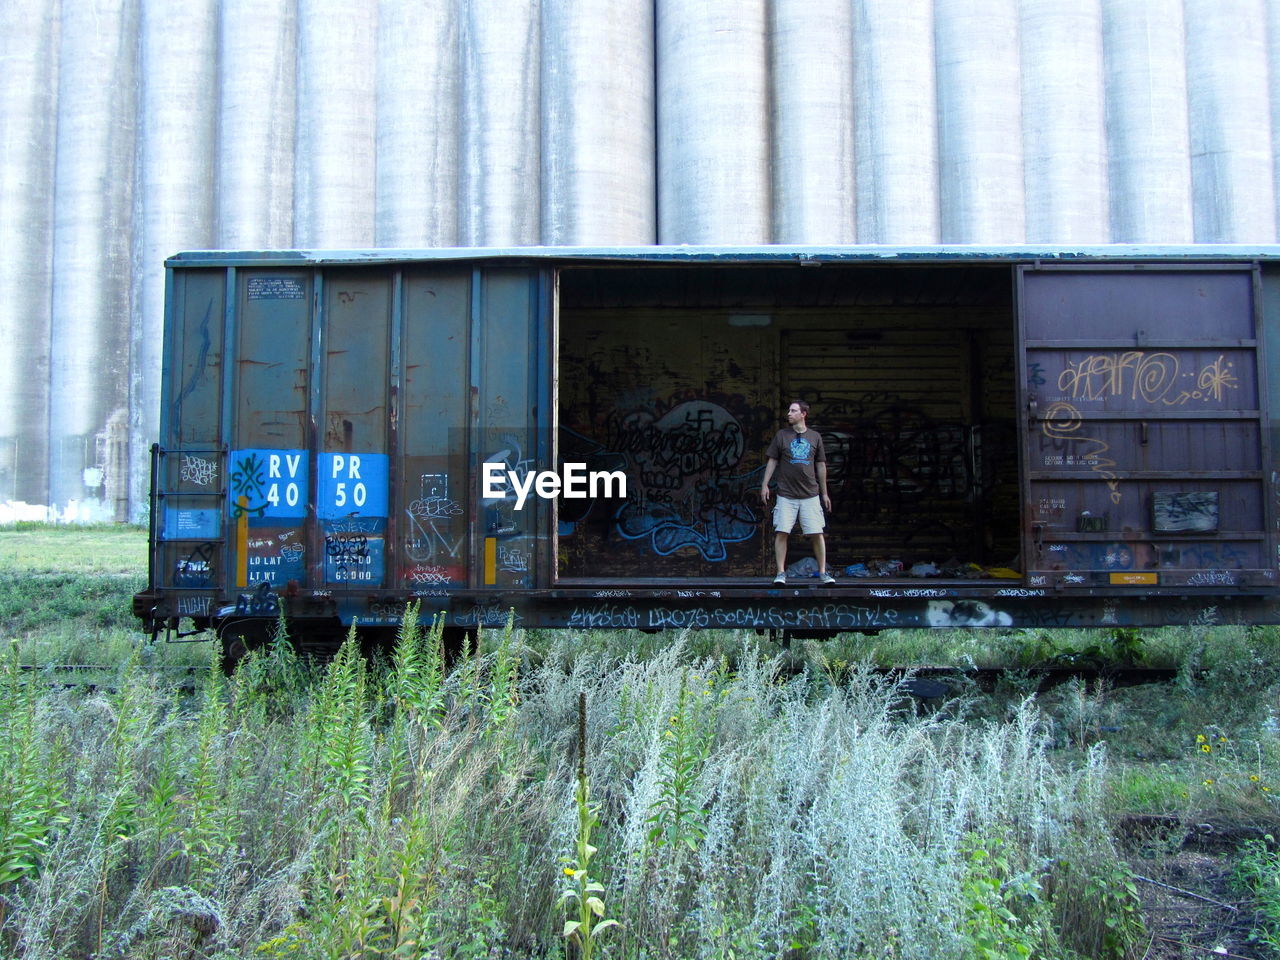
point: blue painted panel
(183, 523)
(355, 551)
(275, 553)
(351, 484)
(272, 483)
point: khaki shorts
(786, 510)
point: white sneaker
(825, 578)
(780, 580)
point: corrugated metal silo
(895, 131)
(1149, 147)
(418, 128)
(1064, 122)
(28, 97)
(713, 129)
(177, 125)
(256, 123)
(93, 233)
(814, 194)
(1231, 162)
(334, 151)
(500, 165)
(979, 122)
(598, 183)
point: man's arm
(768, 475)
(820, 468)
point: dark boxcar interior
(680, 375)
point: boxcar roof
(779, 254)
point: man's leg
(819, 551)
(780, 550)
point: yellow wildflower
(1201, 738)
(1254, 777)
(1208, 783)
(1206, 748)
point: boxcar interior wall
(679, 375)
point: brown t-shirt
(796, 454)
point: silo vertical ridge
(979, 121)
(335, 155)
(814, 193)
(177, 131)
(1064, 122)
(499, 197)
(257, 88)
(713, 139)
(418, 123)
(28, 103)
(1230, 118)
(598, 176)
(93, 252)
(1148, 142)
(895, 138)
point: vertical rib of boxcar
(1146, 459)
(506, 313)
(432, 493)
(270, 438)
(189, 468)
(353, 431)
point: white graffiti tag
(198, 470)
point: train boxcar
(1015, 437)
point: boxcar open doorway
(679, 376)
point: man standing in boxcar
(797, 455)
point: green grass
(752, 802)
(99, 549)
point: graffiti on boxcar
(1212, 578)
(1091, 556)
(262, 602)
(186, 606)
(603, 616)
(492, 614)
(249, 486)
(1045, 615)
(196, 569)
(885, 457)
(508, 450)
(828, 616)
(1222, 556)
(965, 613)
(1146, 377)
(683, 491)
(346, 550)
(512, 558)
(198, 470)
(428, 574)
(1061, 425)
(430, 539)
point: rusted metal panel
(1143, 406)
(505, 330)
(270, 470)
(433, 495)
(352, 464)
(190, 476)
